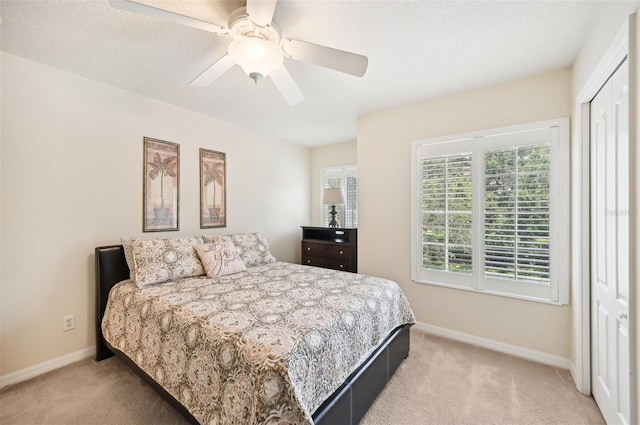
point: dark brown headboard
(111, 268)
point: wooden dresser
(330, 247)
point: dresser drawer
(328, 263)
(333, 251)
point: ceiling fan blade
(261, 11)
(214, 72)
(338, 60)
(287, 86)
(176, 18)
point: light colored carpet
(442, 382)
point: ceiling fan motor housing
(241, 25)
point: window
(346, 178)
(490, 211)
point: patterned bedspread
(265, 346)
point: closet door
(610, 349)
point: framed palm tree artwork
(160, 186)
(213, 191)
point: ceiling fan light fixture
(256, 56)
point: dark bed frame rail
(111, 268)
(346, 406)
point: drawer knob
(309, 261)
(308, 248)
(341, 252)
(341, 266)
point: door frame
(622, 46)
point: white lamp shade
(333, 196)
(255, 56)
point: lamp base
(333, 212)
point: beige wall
(384, 158)
(326, 156)
(72, 180)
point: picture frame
(161, 186)
(213, 189)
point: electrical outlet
(69, 322)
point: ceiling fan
(257, 46)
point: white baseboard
(573, 372)
(501, 347)
(44, 367)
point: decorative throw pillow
(253, 248)
(159, 260)
(220, 258)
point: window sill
(489, 292)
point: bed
(213, 367)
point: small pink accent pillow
(219, 258)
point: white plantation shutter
(351, 198)
(487, 211)
(447, 212)
(516, 213)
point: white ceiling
(416, 50)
